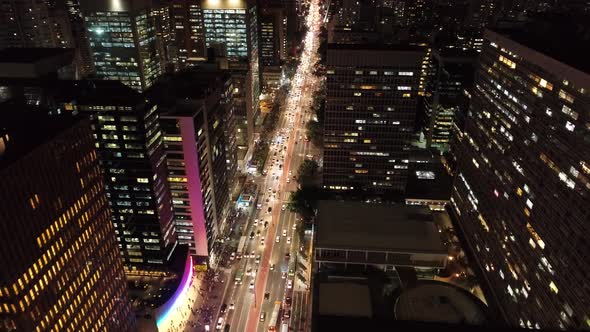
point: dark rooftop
(564, 38)
(98, 92)
(195, 83)
(29, 55)
(383, 227)
(23, 128)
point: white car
(251, 285)
(290, 284)
(278, 239)
(288, 240)
(284, 206)
(255, 222)
(294, 226)
(219, 323)
(284, 232)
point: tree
(307, 172)
(304, 201)
(315, 132)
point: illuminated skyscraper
(234, 24)
(188, 32)
(122, 38)
(371, 105)
(521, 195)
(131, 150)
(196, 120)
(61, 268)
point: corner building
(371, 106)
(521, 195)
(61, 269)
(129, 143)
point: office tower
(234, 24)
(445, 99)
(161, 12)
(521, 194)
(370, 112)
(131, 152)
(195, 107)
(47, 24)
(122, 37)
(273, 44)
(188, 32)
(61, 269)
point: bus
(239, 277)
(274, 317)
(240, 249)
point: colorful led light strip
(167, 310)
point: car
(219, 323)
(258, 233)
(284, 232)
(272, 267)
(259, 206)
(278, 239)
(232, 256)
(294, 226)
(255, 222)
(266, 296)
(287, 256)
(284, 275)
(251, 285)
(263, 316)
(257, 259)
(232, 306)
(288, 180)
(283, 207)
(249, 271)
(223, 308)
(290, 284)
(269, 209)
(287, 314)
(262, 241)
(251, 235)
(265, 224)
(288, 300)
(252, 254)
(288, 240)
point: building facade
(445, 97)
(122, 37)
(198, 127)
(189, 34)
(131, 151)
(524, 176)
(370, 113)
(61, 265)
(234, 25)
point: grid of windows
(62, 270)
(369, 119)
(524, 185)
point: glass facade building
(198, 128)
(61, 268)
(522, 191)
(130, 146)
(370, 113)
(122, 38)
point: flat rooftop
(433, 301)
(565, 38)
(31, 55)
(379, 227)
(344, 299)
(23, 129)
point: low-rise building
(355, 235)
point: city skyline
(294, 165)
